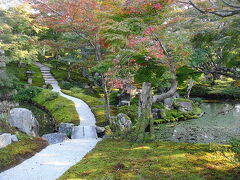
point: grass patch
(62, 75)
(20, 73)
(17, 152)
(118, 159)
(62, 109)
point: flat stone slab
(55, 138)
(80, 132)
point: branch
(219, 12)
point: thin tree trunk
(191, 83)
(145, 119)
(106, 98)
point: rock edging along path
(55, 159)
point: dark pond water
(45, 121)
(220, 123)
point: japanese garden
(119, 89)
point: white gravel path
(54, 160)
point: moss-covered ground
(17, 152)
(119, 159)
(62, 109)
(20, 73)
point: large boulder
(184, 106)
(55, 138)
(168, 103)
(100, 131)
(158, 113)
(5, 139)
(66, 128)
(24, 120)
(123, 122)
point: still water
(219, 124)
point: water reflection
(219, 124)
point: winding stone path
(55, 159)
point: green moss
(62, 109)
(16, 152)
(37, 76)
(118, 159)
(61, 75)
(20, 73)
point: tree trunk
(106, 98)
(174, 83)
(191, 83)
(145, 119)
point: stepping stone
(80, 132)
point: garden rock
(184, 106)
(168, 102)
(123, 122)
(100, 131)
(55, 138)
(14, 138)
(66, 128)
(5, 139)
(24, 120)
(157, 113)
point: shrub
(51, 96)
(114, 98)
(130, 111)
(235, 147)
(24, 95)
(66, 85)
(77, 90)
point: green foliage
(151, 73)
(77, 90)
(51, 96)
(235, 147)
(66, 85)
(20, 77)
(119, 159)
(216, 92)
(114, 97)
(27, 94)
(7, 80)
(130, 111)
(18, 34)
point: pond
(220, 123)
(46, 122)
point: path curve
(55, 159)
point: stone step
(48, 77)
(80, 132)
(46, 72)
(45, 68)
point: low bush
(27, 94)
(62, 109)
(114, 98)
(51, 96)
(130, 111)
(66, 85)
